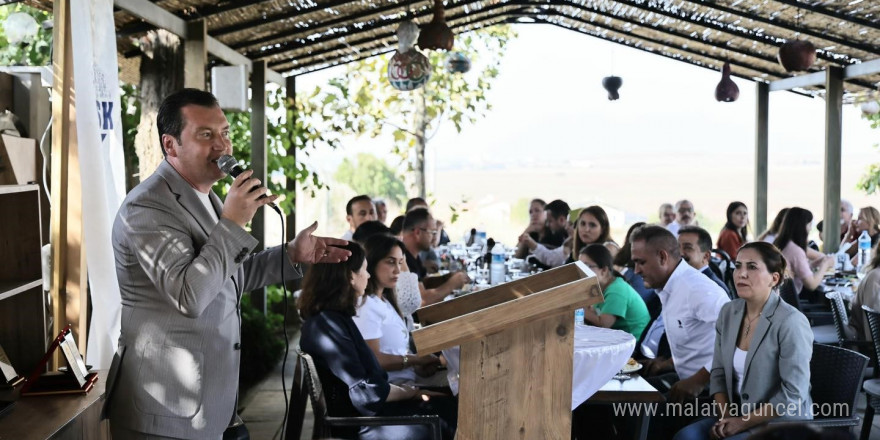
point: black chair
(722, 265)
(872, 386)
(299, 395)
(324, 422)
(841, 321)
(835, 378)
(823, 334)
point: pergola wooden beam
(782, 25)
(657, 51)
(377, 43)
(297, 45)
(819, 78)
(202, 12)
(288, 14)
(829, 13)
(765, 38)
(159, 17)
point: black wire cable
(284, 323)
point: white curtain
(99, 139)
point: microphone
(230, 166)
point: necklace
(749, 322)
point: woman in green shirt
(623, 308)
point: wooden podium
(517, 344)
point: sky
(553, 133)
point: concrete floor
(264, 405)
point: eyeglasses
(432, 231)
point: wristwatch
(405, 360)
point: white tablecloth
(599, 353)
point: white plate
(627, 368)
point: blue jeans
(699, 430)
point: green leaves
(34, 54)
(870, 181)
(373, 176)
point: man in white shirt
(358, 210)
(684, 216)
(691, 303)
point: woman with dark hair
(761, 366)
(354, 382)
(592, 227)
(769, 236)
(623, 308)
(792, 241)
(379, 318)
(397, 226)
(735, 231)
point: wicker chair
(324, 422)
(823, 334)
(835, 377)
(872, 386)
(841, 321)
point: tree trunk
(161, 74)
(420, 126)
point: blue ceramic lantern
(457, 62)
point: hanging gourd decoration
(726, 91)
(457, 62)
(408, 69)
(797, 55)
(871, 107)
(436, 35)
(612, 84)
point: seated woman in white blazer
(763, 346)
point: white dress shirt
(376, 319)
(674, 227)
(347, 236)
(550, 257)
(691, 303)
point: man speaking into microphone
(184, 259)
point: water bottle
(864, 255)
(842, 257)
(497, 268)
(579, 316)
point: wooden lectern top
(505, 306)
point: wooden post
(258, 162)
(762, 118)
(290, 85)
(195, 54)
(833, 130)
(69, 271)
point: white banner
(99, 138)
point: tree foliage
(870, 181)
(373, 176)
(284, 128)
(362, 102)
(36, 53)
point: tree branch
(398, 127)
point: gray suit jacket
(181, 276)
(777, 367)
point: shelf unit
(22, 301)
